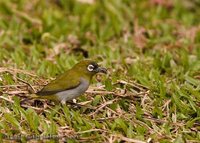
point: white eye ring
(90, 68)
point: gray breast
(73, 93)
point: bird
(72, 83)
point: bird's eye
(90, 68)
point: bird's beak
(102, 70)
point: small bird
(71, 83)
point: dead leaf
(165, 3)
(86, 1)
(139, 36)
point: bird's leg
(79, 105)
(63, 102)
(72, 103)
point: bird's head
(89, 68)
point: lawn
(151, 49)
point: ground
(150, 47)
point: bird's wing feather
(64, 82)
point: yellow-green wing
(66, 81)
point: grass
(152, 51)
